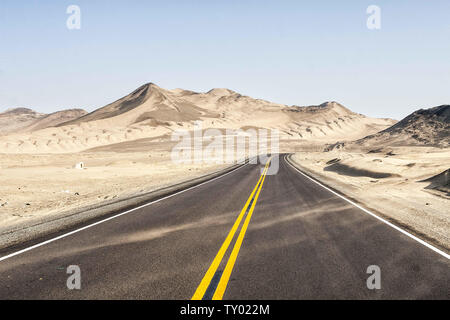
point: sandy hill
(323, 122)
(54, 119)
(151, 111)
(148, 102)
(440, 182)
(22, 120)
(13, 120)
(430, 127)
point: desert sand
(37, 186)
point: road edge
(26, 234)
(398, 224)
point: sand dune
(23, 120)
(13, 120)
(151, 111)
(344, 169)
(440, 182)
(54, 119)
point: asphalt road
(294, 240)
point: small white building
(79, 165)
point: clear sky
(291, 52)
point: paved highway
(245, 235)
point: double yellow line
(222, 285)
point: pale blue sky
(292, 52)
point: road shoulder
(381, 209)
(26, 233)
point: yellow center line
(200, 292)
(222, 286)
